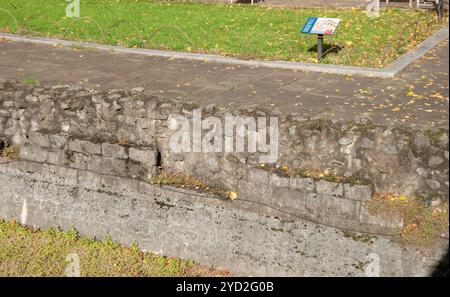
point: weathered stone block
(78, 161)
(8, 128)
(8, 103)
(387, 221)
(324, 187)
(39, 139)
(144, 123)
(278, 181)
(435, 161)
(302, 184)
(328, 206)
(107, 165)
(433, 184)
(157, 115)
(357, 192)
(145, 156)
(58, 141)
(423, 172)
(5, 113)
(114, 151)
(56, 156)
(33, 152)
(251, 191)
(105, 125)
(366, 143)
(345, 141)
(83, 146)
(289, 200)
(69, 175)
(136, 170)
(258, 176)
(421, 141)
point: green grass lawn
(243, 31)
(31, 252)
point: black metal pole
(319, 46)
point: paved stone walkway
(419, 96)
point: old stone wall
(81, 145)
(126, 132)
(207, 229)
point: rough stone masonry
(96, 150)
(125, 125)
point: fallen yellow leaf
(232, 195)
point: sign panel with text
(321, 26)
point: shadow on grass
(247, 1)
(327, 49)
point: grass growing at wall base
(422, 225)
(245, 31)
(10, 152)
(312, 173)
(191, 183)
(31, 252)
(31, 80)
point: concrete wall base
(209, 230)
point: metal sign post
(319, 47)
(321, 27)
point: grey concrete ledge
(186, 226)
(388, 72)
